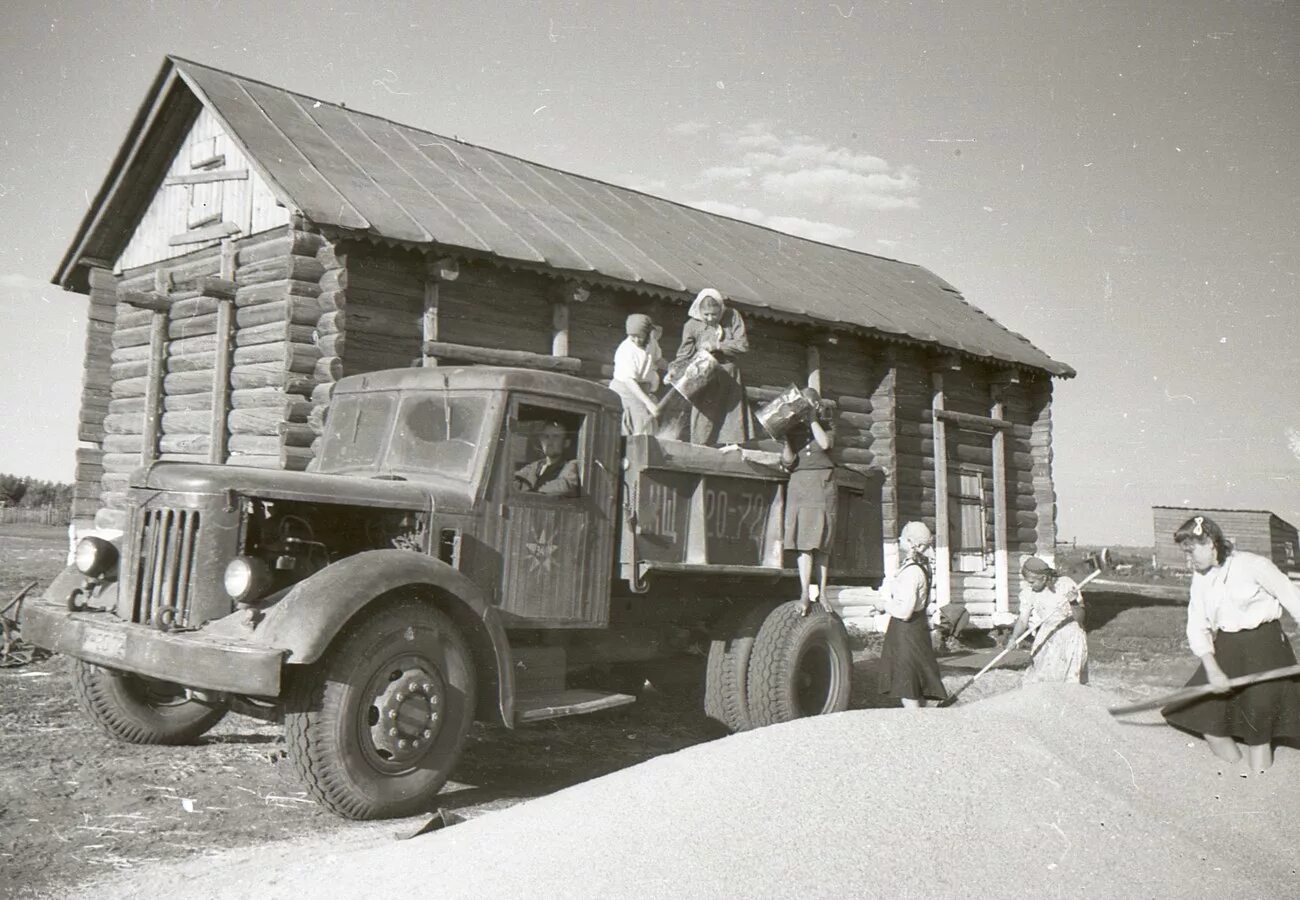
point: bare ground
(76, 806)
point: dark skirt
(1258, 713)
(908, 668)
(810, 501)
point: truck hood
(309, 486)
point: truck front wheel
(376, 726)
(140, 710)
(800, 666)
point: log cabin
(251, 245)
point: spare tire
(800, 666)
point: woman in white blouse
(636, 374)
(1233, 626)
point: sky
(1114, 180)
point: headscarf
(699, 299)
(914, 536)
(1036, 566)
(641, 325)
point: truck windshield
(431, 433)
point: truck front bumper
(188, 658)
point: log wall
(224, 372)
(101, 312)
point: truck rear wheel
(726, 677)
(376, 726)
(801, 666)
(140, 710)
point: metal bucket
(778, 415)
(692, 377)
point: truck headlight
(246, 578)
(94, 556)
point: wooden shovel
(1187, 694)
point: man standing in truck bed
(552, 474)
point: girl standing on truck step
(718, 414)
(810, 498)
(1233, 625)
(908, 668)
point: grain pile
(1033, 793)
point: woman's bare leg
(1225, 748)
(805, 579)
(1260, 757)
(823, 563)
(912, 704)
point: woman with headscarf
(718, 412)
(636, 375)
(1234, 627)
(1052, 603)
(909, 671)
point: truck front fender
(315, 610)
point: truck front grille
(167, 540)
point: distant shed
(251, 246)
(1256, 530)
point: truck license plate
(107, 644)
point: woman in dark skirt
(908, 668)
(1236, 601)
(810, 498)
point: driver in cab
(552, 474)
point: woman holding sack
(810, 497)
(636, 375)
(1053, 601)
(718, 413)
(1233, 626)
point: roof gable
(364, 175)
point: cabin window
(969, 517)
(545, 452)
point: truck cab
(470, 539)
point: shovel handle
(1205, 690)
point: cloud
(689, 128)
(803, 170)
(826, 232)
(23, 281)
(646, 184)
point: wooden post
(814, 363)
(942, 550)
(437, 271)
(560, 324)
(154, 387)
(884, 431)
(563, 294)
(1001, 565)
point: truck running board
(537, 705)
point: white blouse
(1244, 592)
(637, 364)
(908, 592)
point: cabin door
(551, 517)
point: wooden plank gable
(209, 192)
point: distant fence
(38, 515)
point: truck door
(555, 500)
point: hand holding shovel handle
(1187, 694)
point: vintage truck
(412, 583)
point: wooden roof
(363, 175)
